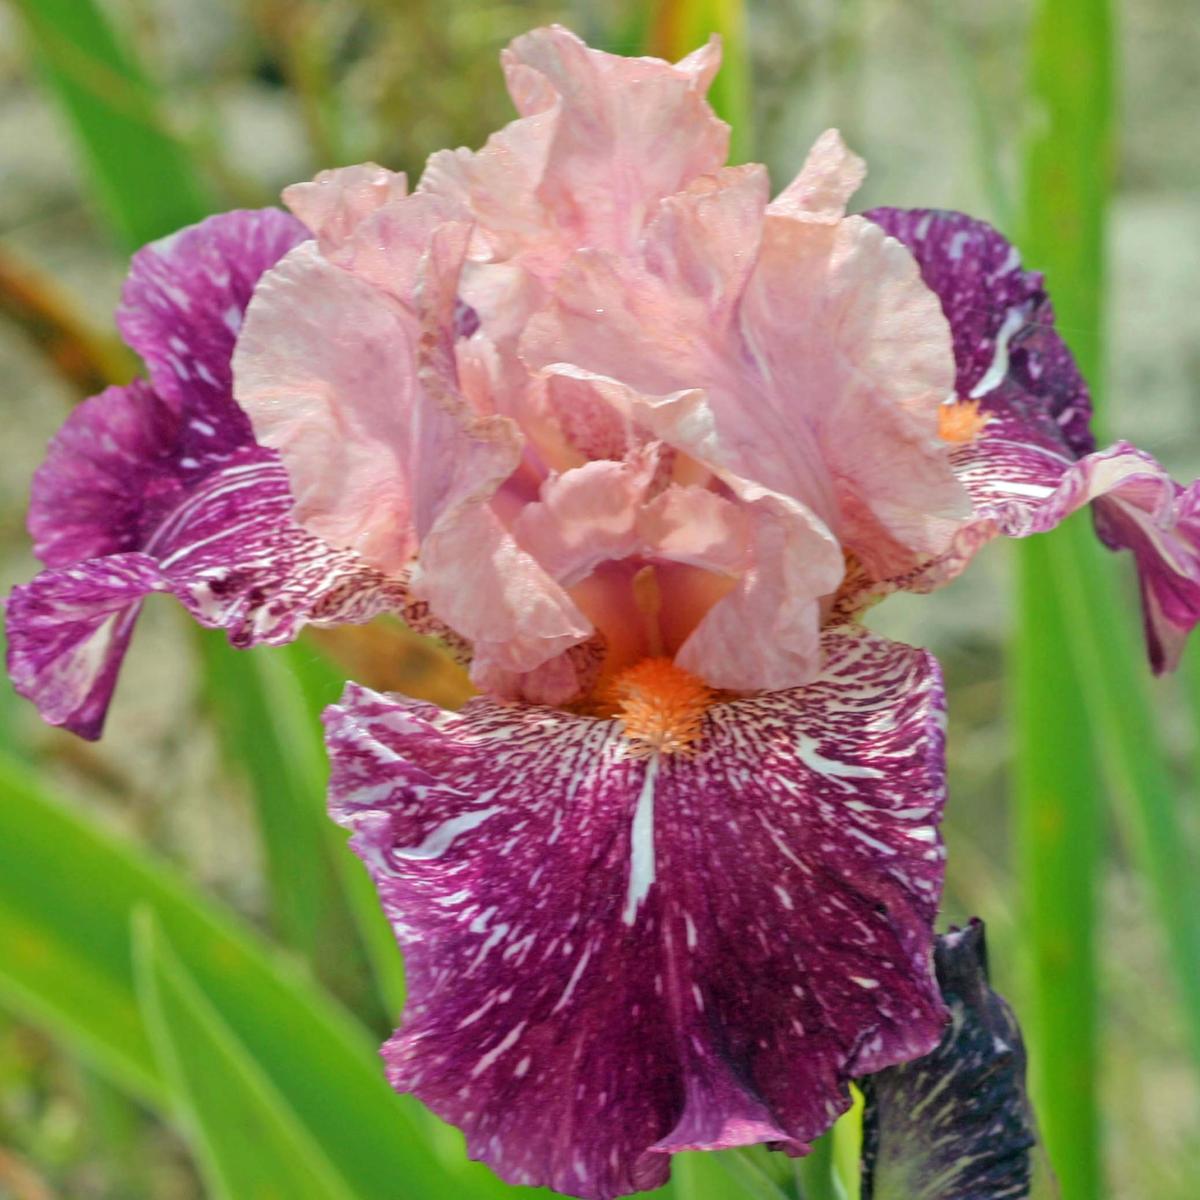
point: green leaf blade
(141, 174)
(68, 890)
(253, 1146)
(1057, 785)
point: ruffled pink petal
(387, 249)
(695, 526)
(583, 1001)
(831, 174)
(601, 140)
(854, 346)
(764, 633)
(336, 202)
(587, 516)
(823, 370)
(326, 370)
(471, 569)
(362, 398)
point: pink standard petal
(601, 140)
(831, 174)
(336, 202)
(855, 348)
(823, 367)
(326, 369)
(582, 1001)
(586, 516)
(361, 396)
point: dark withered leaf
(957, 1124)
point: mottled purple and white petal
(142, 492)
(1034, 460)
(957, 1124)
(584, 1001)
(106, 478)
(1001, 322)
(67, 634)
(227, 549)
(181, 310)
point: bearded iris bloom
(640, 442)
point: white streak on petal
(994, 376)
(810, 756)
(443, 836)
(490, 1057)
(641, 856)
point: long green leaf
(251, 1144)
(1111, 663)
(321, 684)
(1058, 830)
(815, 1172)
(141, 174)
(1058, 813)
(267, 705)
(66, 894)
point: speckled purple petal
(1002, 323)
(612, 958)
(141, 492)
(1034, 463)
(182, 307)
(227, 549)
(956, 1124)
(1160, 524)
(68, 631)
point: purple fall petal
(68, 631)
(164, 489)
(612, 958)
(1002, 323)
(1161, 526)
(1035, 462)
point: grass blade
(815, 1172)
(249, 1140)
(267, 705)
(1111, 665)
(1059, 817)
(141, 174)
(1058, 831)
(67, 891)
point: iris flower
(640, 442)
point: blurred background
(210, 771)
